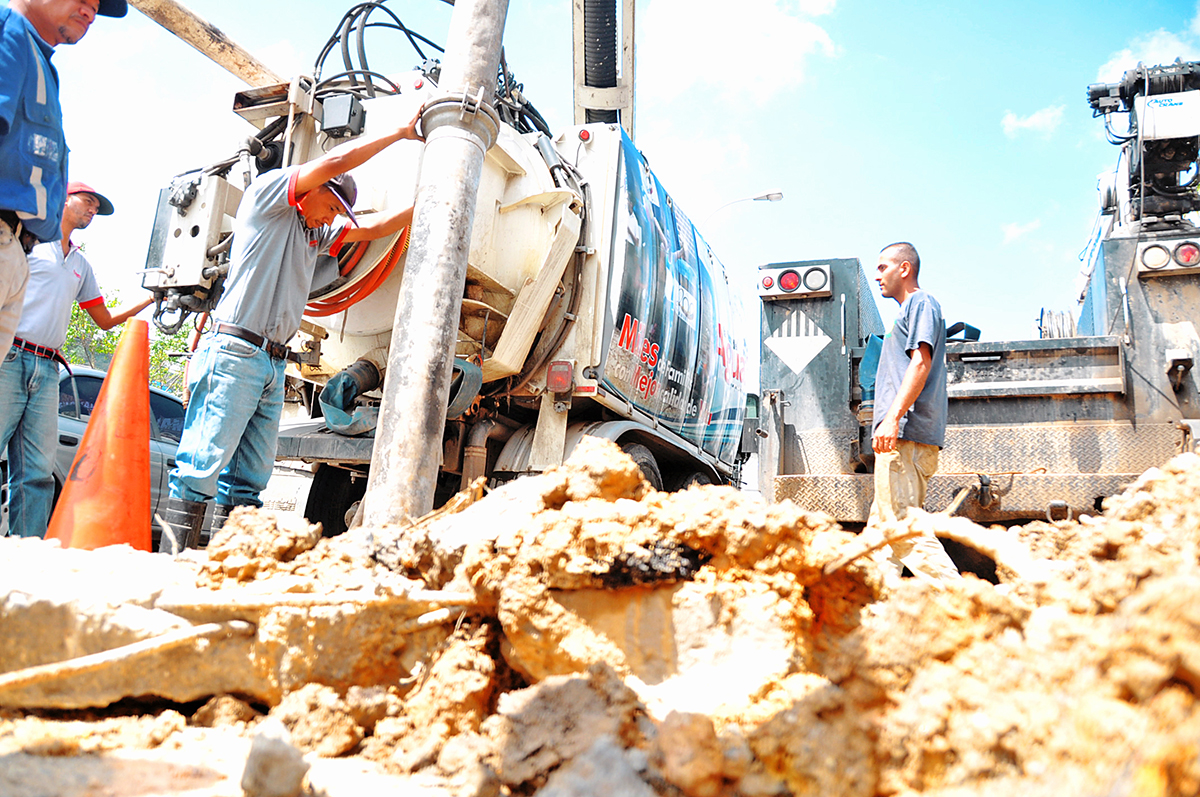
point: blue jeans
(231, 426)
(29, 428)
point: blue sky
(963, 128)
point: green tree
(88, 344)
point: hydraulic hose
(342, 300)
(600, 51)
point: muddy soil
(615, 639)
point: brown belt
(27, 239)
(276, 350)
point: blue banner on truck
(671, 347)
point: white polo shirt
(55, 282)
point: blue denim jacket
(33, 149)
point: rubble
(577, 632)
(275, 767)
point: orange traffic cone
(106, 500)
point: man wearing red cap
(33, 151)
(59, 275)
(286, 218)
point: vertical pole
(460, 126)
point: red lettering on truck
(629, 333)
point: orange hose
(352, 295)
(360, 247)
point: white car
(77, 394)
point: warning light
(815, 279)
(792, 281)
(559, 376)
(418, 83)
(584, 135)
(1187, 254)
(1155, 257)
(789, 281)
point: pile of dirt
(611, 638)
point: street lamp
(769, 196)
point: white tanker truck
(592, 305)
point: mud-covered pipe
(600, 51)
(475, 451)
(366, 375)
(208, 39)
(459, 127)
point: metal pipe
(206, 38)
(459, 129)
(475, 451)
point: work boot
(182, 521)
(219, 516)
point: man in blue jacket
(33, 150)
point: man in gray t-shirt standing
(910, 410)
(287, 218)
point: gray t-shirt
(920, 321)
(273, 258)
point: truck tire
(686, 480)
(645, 460)
(332, 493)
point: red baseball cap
(76, 187)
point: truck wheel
(331, 495)
(645, 460)
(688, 479)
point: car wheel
(333, 492)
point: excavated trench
(580, 633)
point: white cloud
(726, 156)
(684, 43)
(1160, 47)
(816, 8)
(1043, 122)
(1014, 231)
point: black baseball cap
(346, 191)
(113, 8)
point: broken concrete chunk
(603, 768)
(275, 767)
(535, 730)
(369, 704)
(690, 755)
(224, 710)
(318, 721)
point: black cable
(344, 43)
(414, 39)
(362, 48)
(324, 87)
(266, 135)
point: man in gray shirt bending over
(287, 218)
(910, 419)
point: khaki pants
(14, 275)
(900, 480)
